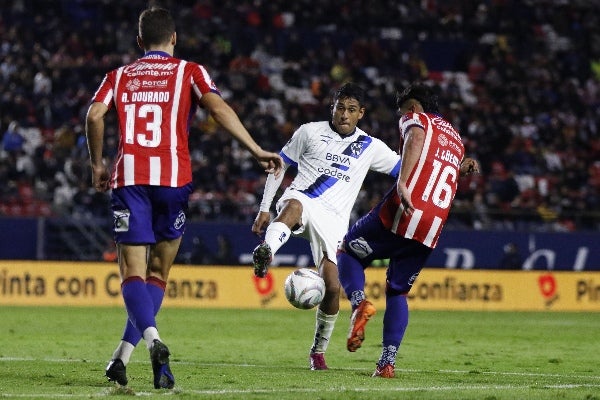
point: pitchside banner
(573, 251)
(232, 243)
(92, 284)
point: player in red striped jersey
(406, 224)
(155, 98)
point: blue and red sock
(395, 321)
(142, 301)
(352, 277)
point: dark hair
(350, 90)
(422, 93)
(156, 25)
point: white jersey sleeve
(271, 186)
(294, 148)
(386, 157)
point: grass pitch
(60, 353)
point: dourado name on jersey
(147, 97)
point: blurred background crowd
(519, 79)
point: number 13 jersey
(155, 98)
(432, 183)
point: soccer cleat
(387, 371)
(361, 315)
(317, 361)
(115, 372)
(261, 257)
(159, 355)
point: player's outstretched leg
(261, 257)
(116, 372)
(361, 315)
(159, 355)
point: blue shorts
(369, 240)
(148, 214)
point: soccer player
(406, 224)
(332, 160)
(155, 97)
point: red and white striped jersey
(155, 98)
(432, 183)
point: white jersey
(332, 167)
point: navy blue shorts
(148, 214)
(369, 240)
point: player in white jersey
(332, 159)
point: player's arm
(94, 132)
(228, 119)
(411, 152)
(263, 218)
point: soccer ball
(304, 288)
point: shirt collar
(157, 53)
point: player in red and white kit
(155, 98)
(406, 224)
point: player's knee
(292, 211)
(395, 291)
(332, 288)
(156, 269)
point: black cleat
(159, 355)
(261, 257)
(115, 372)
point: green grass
(53, 352)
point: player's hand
(271, 162)
(404, 194)
(469, 166)
(100, 178)
(261, 222)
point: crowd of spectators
(520, 79)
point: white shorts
(322, 228)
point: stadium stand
(521, 79)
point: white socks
(125, 349)
(150, 333)
(123, 352)
(323, 329)
(277, 235)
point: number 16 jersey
(432, 183)
(155, 98)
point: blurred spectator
(13, 141)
